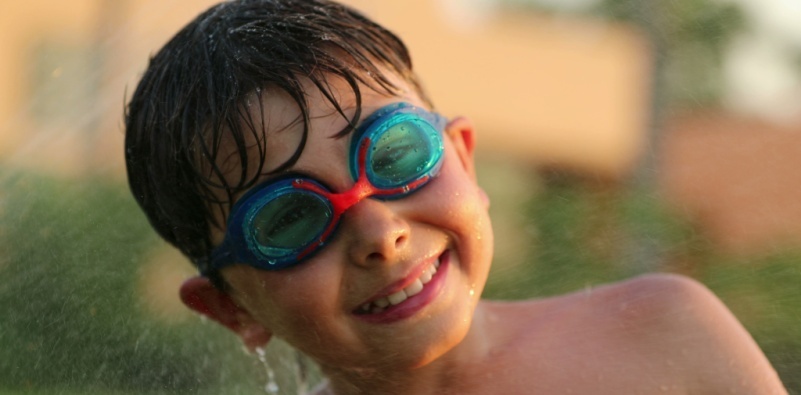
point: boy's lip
(414, 274)
(412, 304)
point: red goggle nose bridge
(361, 190)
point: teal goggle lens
(293, 219)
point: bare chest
(574, 370)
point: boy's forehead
(282, 120)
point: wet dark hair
(192, 98)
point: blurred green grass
(72, 320)
(73, 323)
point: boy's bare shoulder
(644, 306)
(655, 328)
(635, 310)
(651, 301)
(639, 301)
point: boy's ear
(200, 295)
(463, 136)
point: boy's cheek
(460, 207)
(272, 297)
(457, 193)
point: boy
(286, 147)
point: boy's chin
(408, 352)
(444, 342)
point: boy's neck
(441, 376)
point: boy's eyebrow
(298, 120)
(268, 178)
(351, 127)
(346, 131)
(292, 173)
(349, 124)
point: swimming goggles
(275, 225)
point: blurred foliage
(585, 236)
(688, 38)
(71, 318)
(763, 293)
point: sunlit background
(616, 137)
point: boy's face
(379, 247)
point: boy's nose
(377, 235)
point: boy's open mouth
(416, 287)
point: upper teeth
(412, 289)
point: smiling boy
(286, 147)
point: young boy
(286, 147)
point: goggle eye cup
(276, 224)
(405, 146)
(294, 218)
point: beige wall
(550, 91)
(23, 25)
(566, 92)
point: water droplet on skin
(472, 292)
